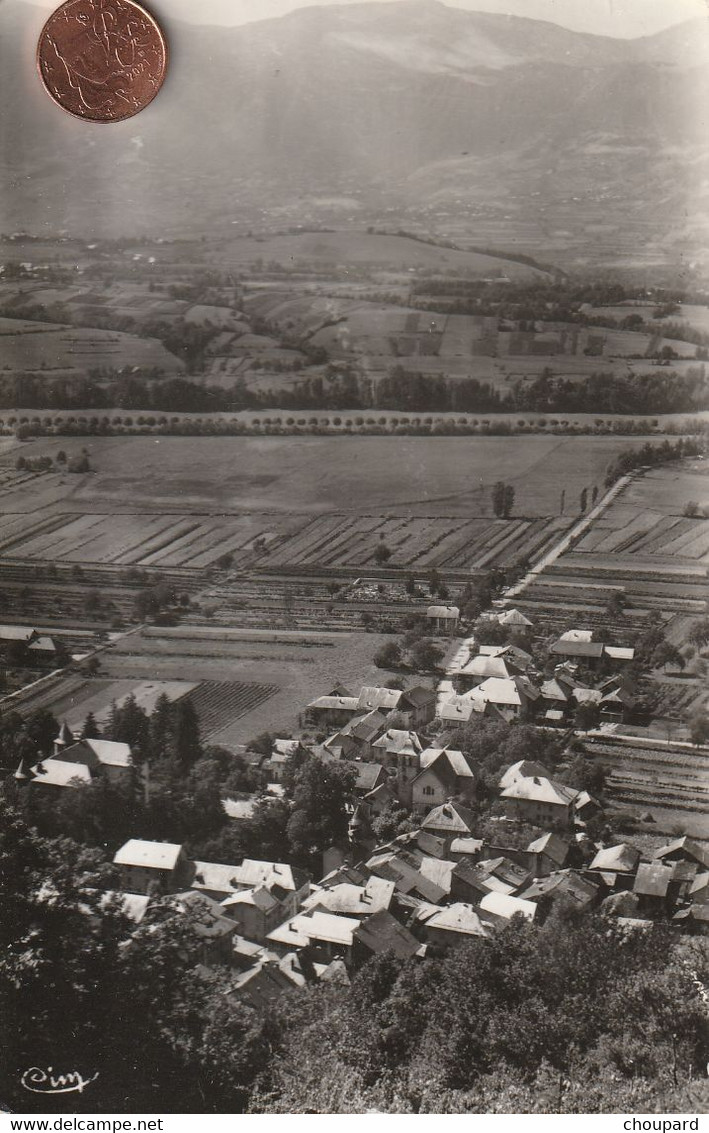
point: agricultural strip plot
(436, 541)
(126, 539)
(670, 781)
(72, 699)
(219, 704)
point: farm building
(443, 619)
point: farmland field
(670, 781)
(58, 350)
(643, 545)
(295, 666)
(360, 475)
(219, 704)
(174, 502)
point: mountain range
(489, 128)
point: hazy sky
(603, 17)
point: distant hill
(563, 139)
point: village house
(331, 711)
(256, 912)
(382, 933)
(443, 619)
(417, 705)
(503, 906)
(451, 820)
(514, 619)
(214, 931)
(444, 773)
(514, 698)
(524, 769)
(147, 867)
(452, 925)
(281, 752)
(395, 742)
(328, 937)
(287, 883)
(540, 801)
(356, 739)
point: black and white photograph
(354, 558)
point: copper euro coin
(102, 60)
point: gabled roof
(108, 752)
(214, 876)
(562, 883)
(556, 689)
(506, 906)
(149, 855)
(60, 773)
(300, 930)
(524, 769)
(552, 846)
(451, 818)
(439, 871)
(620, 652)
(365, 727)
(577, 648)
(458, 918)
(373, 697)
(461, 708)
(207, 918)
(403, 869)
(398, 741)
(353, 900)
(653, 879)
(345, 703)
(419, 696)
(577, 635)
(449, 612)
(500, 690)
(260, 897)
(43, 645)
(482, 666)
(686, 848)
(383, 933)
(368, 775)
(17, 633)
(541, 790)
(456, 760)
(513, 618)
(622, 858)
(272, 874)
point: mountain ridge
(402, 108)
